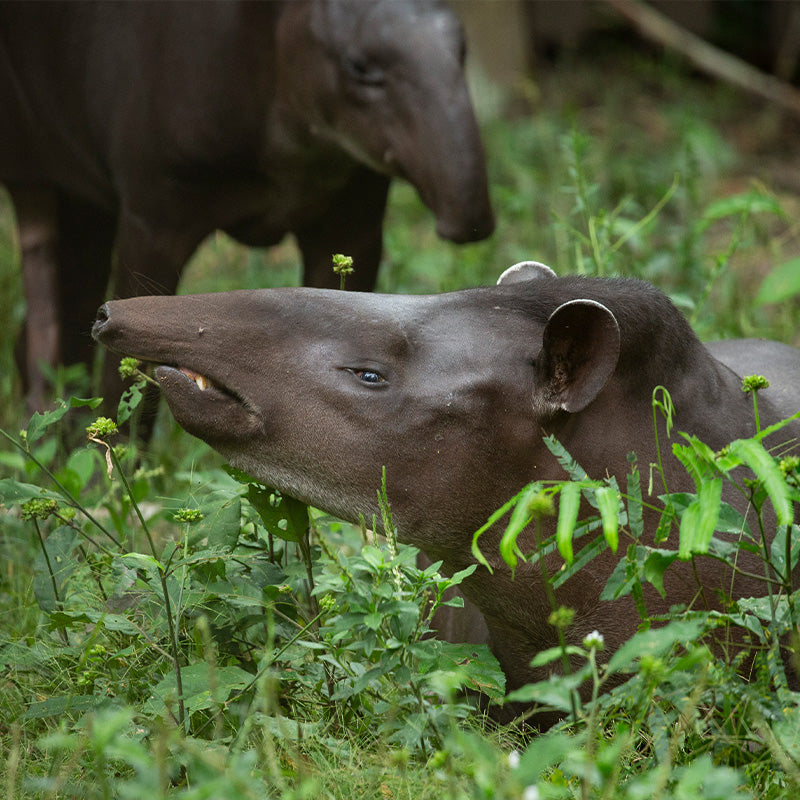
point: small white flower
(530, 793)
(593, 641)
(513, 759)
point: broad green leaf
(545, 657)
(39, 423)
(784, 536)
(141, 561)
(608, 504)
(197, 681)
(655, 565)
(479, 668)
(753, 454)
(654, 642)
(282, 516)
(556, 691)
(699, 521)
(544, 752)
(57, 566)
(461, 574)
(85, 402)
(781, 284)
(60, 705)
(296, 515)
(568, 504)
(13, 491)
(221, 523)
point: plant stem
(176, 664)
(551, 599)
(58, 603)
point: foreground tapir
(143, 127)
(314, 391)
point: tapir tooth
(201, 380)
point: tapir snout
(315, 391)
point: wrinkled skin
(315, 391)
(140, 128)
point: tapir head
(315, 391)
(384, 81)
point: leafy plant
(243, 616)
(665, 682)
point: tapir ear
(580, 349)
(526, 271)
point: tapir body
(315, 391)
(140, 128)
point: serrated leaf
(568, 463)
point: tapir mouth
(202, 382)
(204, 406)
(203, 401)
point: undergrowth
(174, 629)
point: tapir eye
(363, 71)
(368, 375)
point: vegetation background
(616, 158)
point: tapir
(140, 128)
(315, 391)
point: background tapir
(142, 127)
(314, 391)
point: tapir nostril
(100, 321)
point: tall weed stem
(176, 664)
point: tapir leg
(353, 226)
(39, 343)
(458, 625)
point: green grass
(621, 177)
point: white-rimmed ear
(580, 350)
(526, 271)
